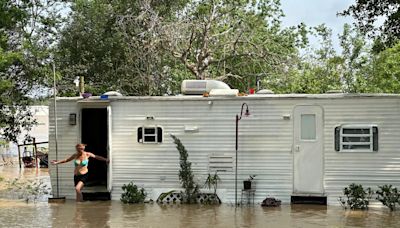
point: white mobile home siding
(68, 136)
(265, 142)
(368, 169)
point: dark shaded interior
(94, 135)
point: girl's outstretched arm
(98, 157)
(55, 162)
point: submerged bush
(132, 194)
(389, 196)
(357, 197)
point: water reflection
(116, 214)
(15, 213)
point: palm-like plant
(212, 182)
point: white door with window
(308, 150)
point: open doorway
(94, 134)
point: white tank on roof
(198, 87)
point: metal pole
(236, 167)
(36, 156)
(19, 157)
(55, 121)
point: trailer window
(149, 134)
(356, 138)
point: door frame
(100, 105)
(320, 138)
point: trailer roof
(248, 97)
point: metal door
(308, 149)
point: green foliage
(322, 69)
(233, 41)
(212, 181)
(367, 13)
(153, 45)
(186, 176)
(384, 74)
(132, 194)
(356, 197)
(28, 31)
(389, 196)
(117, 46)
(163, 195)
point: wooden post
(81, 85)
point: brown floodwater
(18, 213)
(115, 214)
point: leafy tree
(323, 69)
(27, 31)
(315, 71)
(368, 14)
(116, 46)
(384, 73)
(355, 58)
(148, 47)
(233, 41)
(12, 102)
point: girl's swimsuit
(81, 177)
(84, 162)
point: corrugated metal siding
(368, 169)
(265, 142)
(264, 145)
(68, 136)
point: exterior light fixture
(239, 117)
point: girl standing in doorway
(81, 161)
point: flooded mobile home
(297, 145)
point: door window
(308, 127)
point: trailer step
(94, 196)
(308, 199)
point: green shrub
(132, 194)
(357, 197)
(186, 176)
(389, 196)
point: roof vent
(223, 92)
(198, 87)
(113, 93)
(265, 91)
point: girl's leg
(78, 189)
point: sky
(315, 12)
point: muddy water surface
(114, 214)
(18, 213)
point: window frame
(373, 138)
(157, 129)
